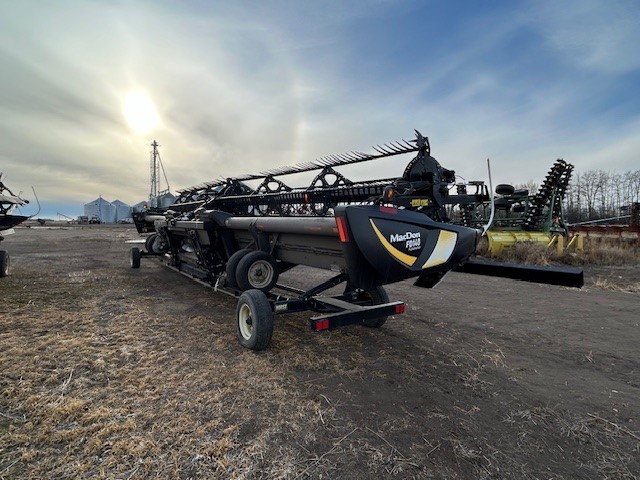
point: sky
(238, 87)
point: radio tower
(156, 166)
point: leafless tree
(530, 185)
(597, 194)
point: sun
(140, 112)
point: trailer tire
(255, 320)
(375, 296)
(134, 257)
(148, 243)
(232, 266)
(5, 263)
(257, 270)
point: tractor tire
(5, 263)
(257, 270)
(232, 266)
(505, 189)
(374, 296)
(255, 320)
(502, 204)
(135, 257)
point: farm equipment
(519, 215)
(8, 203)
(238, 239)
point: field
(110, 372)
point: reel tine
(387, 148)
(392, 147)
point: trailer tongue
(370, 233)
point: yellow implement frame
(501, 239)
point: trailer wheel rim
(260, 274)
(245, 323)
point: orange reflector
(322, 325)
(342, 229)
(400, 308)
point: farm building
(106, 211)
(123, 210)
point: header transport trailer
(239, 239)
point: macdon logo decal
(413, 240)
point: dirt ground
(111, 372)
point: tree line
(599, 194)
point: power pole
(156, 166)
(155, 178)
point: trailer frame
(353, 306)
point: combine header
(8, 203)
(238, 239)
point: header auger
(370, 233)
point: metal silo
(100, 209)
(123, 210)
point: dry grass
(96, 386)
(598, 438)
(112, 385)
(109, 373)
(607, 284)
(622, 259)
(597, 251)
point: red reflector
(306, 198)
(322, 324)
(390, 210)
(400, 308)
(342, 229)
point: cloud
(598, 35)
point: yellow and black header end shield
(394, 244)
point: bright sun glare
(140, 112)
